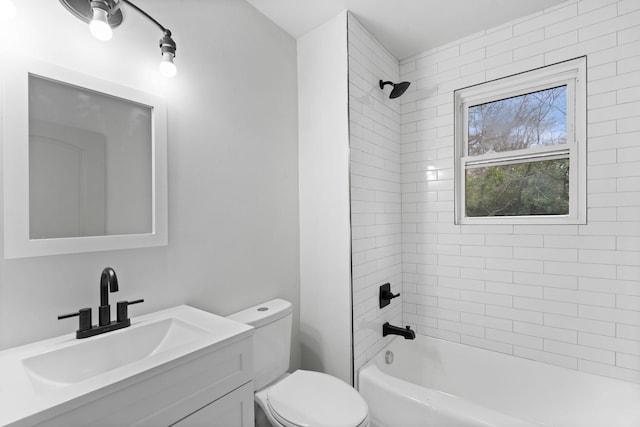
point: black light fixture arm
(167, 44)
(149, 17)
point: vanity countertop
(47, 378)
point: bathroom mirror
(84, 163)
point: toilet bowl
(307, 398)
(302, 398)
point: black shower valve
(386, 295)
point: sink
(86, 359)
(49, 377)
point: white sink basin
(68, 365)
(65, 372)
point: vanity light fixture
(104, 15)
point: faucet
(407, 333)
(108, 283)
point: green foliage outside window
(532, 188)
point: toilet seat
(307, 398)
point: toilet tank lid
(263, 314)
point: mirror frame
(15, 123)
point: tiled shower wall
(375, 189)
(567, 295)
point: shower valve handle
(386, 295)
(389, 295)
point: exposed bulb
(7, 10)
(167, 67)
(99, 25)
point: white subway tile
(487, 321)
(515, 339)
(480, 42)
(557, 334)
(582, 21)
(543, 46)
(492, 345)
(514, 289)
(482, 274)
(514, 314)
(580, 269)
(628, 361)
(461, 328)
(532, 266)
(515, 42)
(552, 280)
(462, 306)
(628, 243)
(546, 253)
(632, 124)
(628, 302)
(600, 158)
(585, 6)
(530, 288)
(581, 242)
(625, 287)
(488, 251)
(540, 21)
(629, 35)
(610, 343)
(438, 313)
(625, 272)
(628, 332)
(609, 314)
(515, 240)
(439, 333)
(546, 306)
(579, 324)
(626, 6)
(580, 297)
(580, 352)
(486, 298)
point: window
(521, 149)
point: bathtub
(432, 382)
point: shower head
(398, 88)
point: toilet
(303, 398)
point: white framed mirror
(85, 163)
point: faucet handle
(85, 318)
(123, 311)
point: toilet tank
(271, 339)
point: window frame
(572, 74)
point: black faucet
(407, 333)
(108, 283)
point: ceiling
(404, 27)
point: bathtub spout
(407, 333)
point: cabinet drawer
(233, 410)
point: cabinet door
(232, 410)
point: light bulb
(7, 10)
(167, 67)
(99, 26)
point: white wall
(376, 191)
(233, 194)
(325, 250)
(568, 295)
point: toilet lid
(307, 398)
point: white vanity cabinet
(180, 366)
(211, 389)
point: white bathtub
(437, 383)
